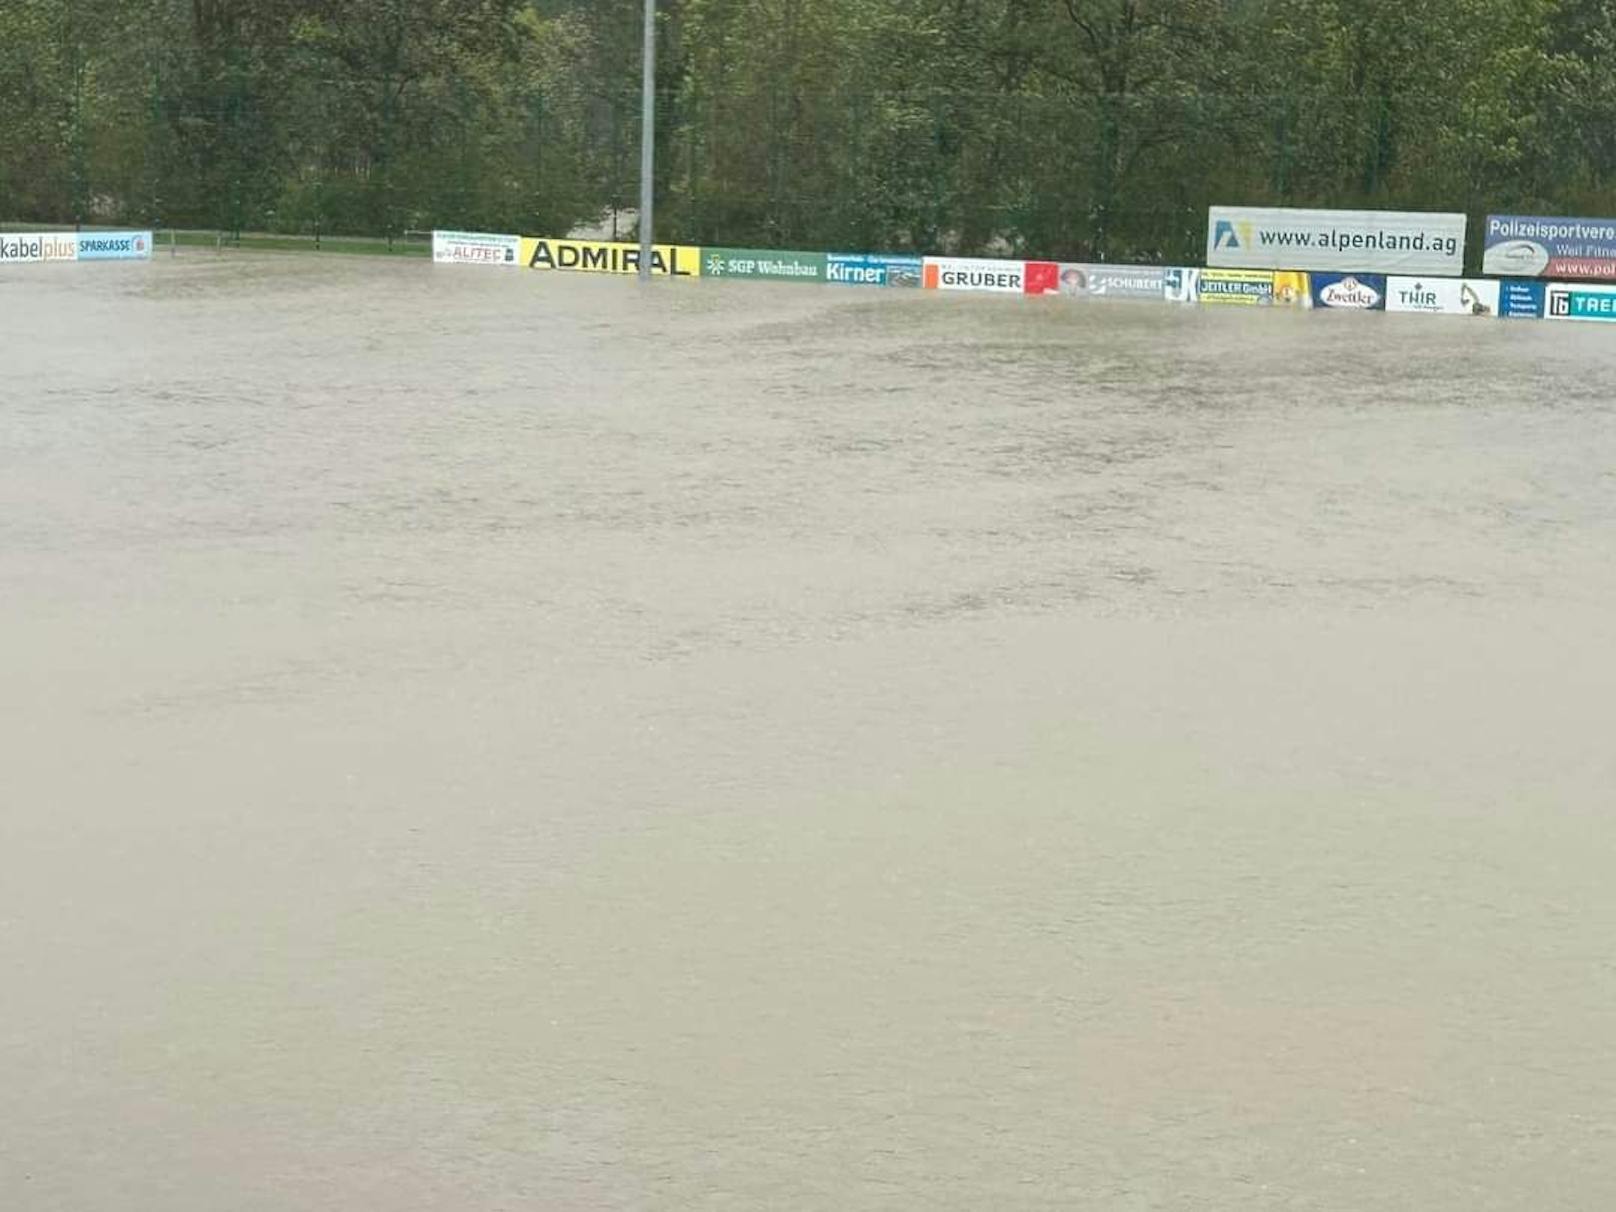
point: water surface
(480, 740)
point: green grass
(345, 245)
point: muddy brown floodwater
(474, 740)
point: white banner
(1182, 285)
(1113, 281)
(1335, 241)
(476, 248)
(38, 246)
(41, 246)
(960, 273)
(1443, 296)
(1581, 302)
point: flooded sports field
(482, 740)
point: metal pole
(648, 141)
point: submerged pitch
(482, 740)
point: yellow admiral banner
(598, 257)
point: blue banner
(1522, 299)
(115, 245)
(873, 269)
(1537, 246)
(1350, 292)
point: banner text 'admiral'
(598, 257)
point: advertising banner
(873, 269)
(601, 257)
(1242, 287)
(1181, 285)
(1043, 278)
(1112, 282)
(1292, 290)
(35, 247)
(476, 248)
(1522, 299)
(1443, 296)
(115, 246)
(76, 246)
(1335, 241)
(764, 264)
(1350, 292)
(1532, 246)
(1581, 303)
(964, 273)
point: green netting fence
(1115, 178)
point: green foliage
(1095, 128)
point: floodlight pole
(648, 141)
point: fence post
(648, 141)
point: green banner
(762, 263)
